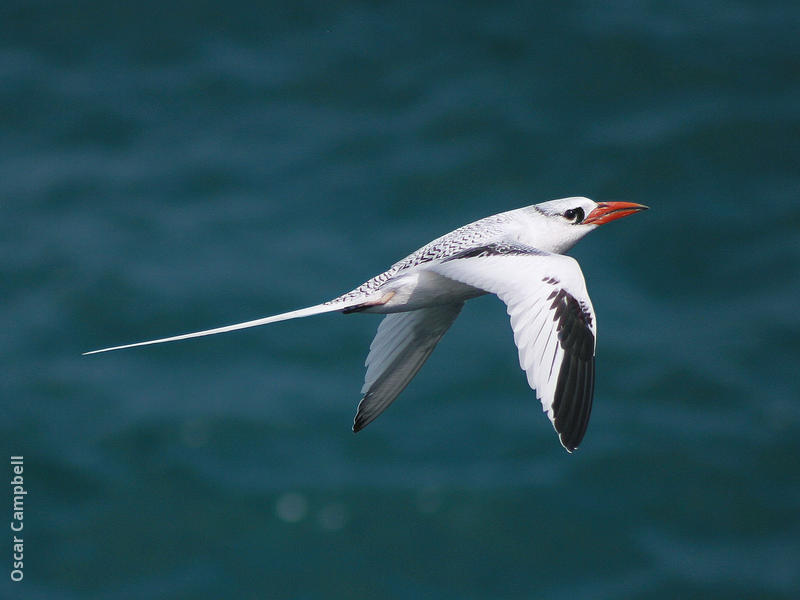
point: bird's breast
(422, 289)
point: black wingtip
(362, 419)
(572, 402)
(570, 449)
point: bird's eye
(574, 214)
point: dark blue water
(172, 167)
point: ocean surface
(168, 167)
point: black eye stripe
(574, 214)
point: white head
(558, 225)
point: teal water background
(167, 167)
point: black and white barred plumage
(469, 236)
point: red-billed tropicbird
(516, 255)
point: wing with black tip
(403, 343)
(553, 321)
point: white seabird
(517, 255)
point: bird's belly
(421, 290)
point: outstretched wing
(403, 343)
(553, 322)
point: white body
(515, 255)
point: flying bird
(516, 255)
